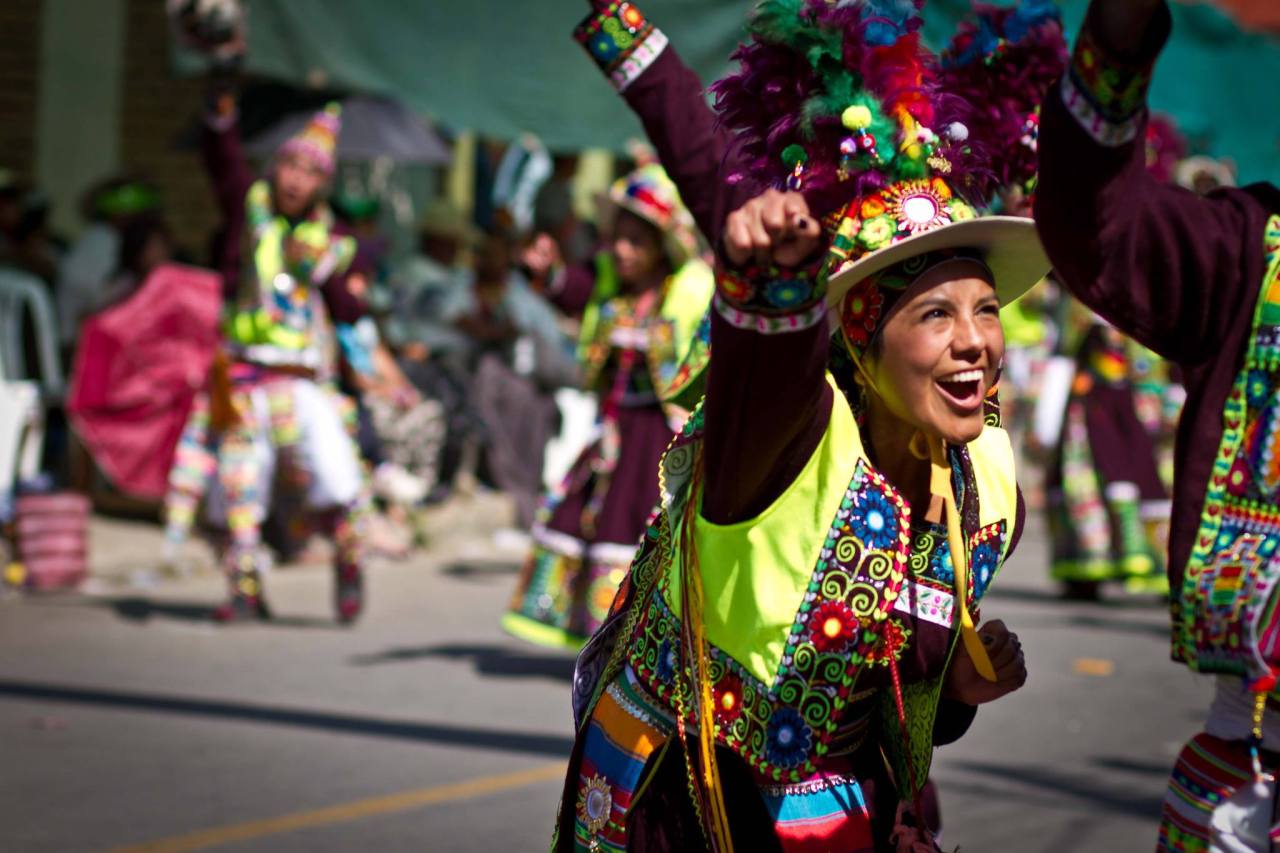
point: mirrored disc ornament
(595, 804)
(919, 213)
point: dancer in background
(640, 301)
(274, 406)
(1108, 493)
(1108, 504)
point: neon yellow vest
(688, 292)
(764, 579)
(275, 316)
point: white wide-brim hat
(1009, 245)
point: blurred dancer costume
(787, 620)
(1108, 501)
(273, 414)
(631, 345)
(1198, 281)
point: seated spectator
(145, 243)
(95, 256)
(433, 354)
(519, 360)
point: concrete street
(129, 721)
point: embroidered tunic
(1197, 280)
(768, 414)
(789, 590)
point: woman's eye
(934, 314)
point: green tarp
(501, 68)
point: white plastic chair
(21, 434)
(21, 294)
(23, 398)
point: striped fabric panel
(1208, 771)
(618, 745)
(826, 813)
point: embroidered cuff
(1106, 95)
(770, 324)
(773, 290)
(621, 42)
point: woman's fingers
(796, 207)
(772, 228)
(775, 215)
(737, 238)
(761, 241)
(1012, 673)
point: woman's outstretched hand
(966, 685)
(774, 228)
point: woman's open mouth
(962, 390)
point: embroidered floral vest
(798, 601)
(609, 323)
(1224, 616)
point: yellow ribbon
(940, 484)
(694, 641)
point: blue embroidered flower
(940, 563)
(1257, 388)
(985, 560)
(875, 520)
(667, 662)
(787, 292)
(787, 738)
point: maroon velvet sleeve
(697, 153)
(229, 173)
(572, 288)
(767, 406)
(343, 305)
(1159, 262)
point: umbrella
(138, 368)
(371, 128)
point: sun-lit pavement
(127, 719)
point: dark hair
(137, 233)
(655, 233)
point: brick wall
(156, 108)
(19, 53)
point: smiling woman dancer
(803, 606)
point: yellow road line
(343, 813)
(1096, 667)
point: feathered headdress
(840, 99)
(999, 65)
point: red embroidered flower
(727, 695)
(737, 289)
(832, 626)
(889, 643)
(631, 16)
(860, 312)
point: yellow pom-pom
(914, 151)
(856, 117)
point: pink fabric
(137, 370)
(53, 538)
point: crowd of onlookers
(453, 369)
